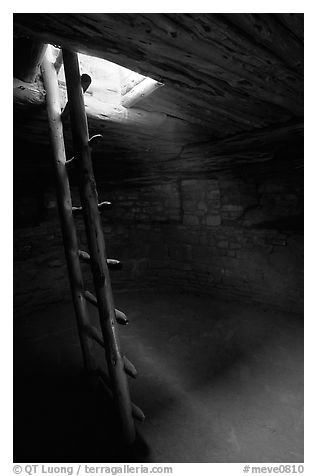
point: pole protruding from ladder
(121, 318)
(95, 334)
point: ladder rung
(77, 209)
(129, 367)
(114, 263)
(136, 411)
(91, 298)
(70, 161)
(94, 139)
(121, 318)
(91, 142)
(95, 334)
(85, 258)
(101, 206)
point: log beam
(130, 81)
(202, 54)
(140, 91)
(26, 95)
(28, 56)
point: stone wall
(237, 238)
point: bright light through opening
(111, 83)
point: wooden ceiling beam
(181, 49)
(130, 81)
(28, 56)
(294, 22)
(140, 91)
(268, 32)
(26, 95)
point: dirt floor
(218, 381)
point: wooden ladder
(115, 380)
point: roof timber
(141, 90)
(33, 94)
(233, 89)
(207, 58)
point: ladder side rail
(64, 201)
(96, 245)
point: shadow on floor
(218, 381)
(57, 418)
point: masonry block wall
(234, 237)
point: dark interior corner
(202, 161)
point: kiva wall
(233, 237)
